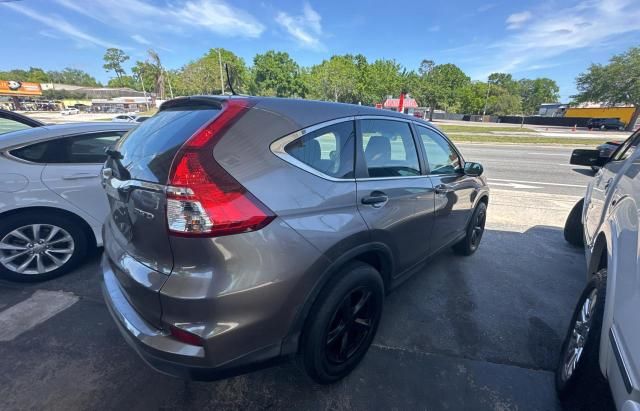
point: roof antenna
(229, 82)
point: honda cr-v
(244, 230)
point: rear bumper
(164, 353)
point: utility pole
(221, 76)
(486, 99)
(168, 81)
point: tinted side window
(389, 149)
(91, 149)
(328, 150)
(8, 125)
(441, 157)
(77, 149)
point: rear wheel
(573, 227)
(342, 323)
(470, 243)
(578, 378)
(36, 246)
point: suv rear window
(148, 150)
(329, 150)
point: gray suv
(244, 230)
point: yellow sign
(20, 88)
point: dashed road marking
(35, 310)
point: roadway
(529, 168)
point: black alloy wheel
(350, 326)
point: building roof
(395, 102)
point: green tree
(202, 76)
(441, 86)
(502, 102)
(617, 82)
(124, 81)
(72, 76)
(472, 97)
(505, 81)
(276, 74)
(34, 74)
(382, 78)
(113, 59)
(537, 91)
(145, 75)
(336, 79)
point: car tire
(334, 340)
(579, 381)
(573, 227)
(470, 243)
(64, 250)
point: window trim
(278, 148)
(7, 151)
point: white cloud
(179, 16)
(545, 39)
(516, 20)
(486, 7)
(434, 29)
(306, 28)
(138, 38)
(61, 26)
(218, 17)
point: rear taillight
(202, 198)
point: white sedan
(70, 111)
(52, 205)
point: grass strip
(567, 141)
(449, 128)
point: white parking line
(35, 310)
(537, 182)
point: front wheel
(578, 374)
(342, 323)
(470, 243)
(37, 246)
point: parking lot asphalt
(480, 332)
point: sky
(542, 38)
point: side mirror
(473, 169)
(582, 157)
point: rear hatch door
(135, 178)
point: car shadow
(585, 171)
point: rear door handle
(443, 189)
(377, 198)
(79, 176)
